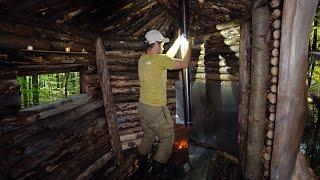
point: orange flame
(181, 144)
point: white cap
(153, 36)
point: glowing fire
(181, 144)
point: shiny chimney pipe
(184, 4)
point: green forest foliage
(310, 144)
(45, 88)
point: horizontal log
(133, 90)
(124, 54)
(111, 45)
(274, 79)
(272, 108)
(129, 137)
(9, 86)
(87, 174)
(120, 98)
(127, 125)
(8, 74)
(78, 156)
(126, 112)
(274, 4)
(276, 14)
(214, 63)
(43, 69)
(50, 153)
(130, 130)
(222, 70)
(52, 122)
(131, 144)
(47, 110)
(57, 58)
(218, 77)
(9, 41)
(39, 33)
(272, 117)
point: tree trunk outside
(35, 90)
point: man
(153, 111)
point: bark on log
(87, 174)
(244, 75)
(44, 69)
(131, 144)
(124, 54)
(292, 90)
(9, 41)
(112, 45)
(108, 100)
(45, 34)
(258, 93)
(302, 170)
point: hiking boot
(143, 163)
(157, 169)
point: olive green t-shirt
(152, 71)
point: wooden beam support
(244, 81)
(291, 116)
(258, 91)
(108, 100)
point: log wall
(123, 70)
(67, 139)
(58, 140)
(215, 56)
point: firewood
(273, 88)
(274, 4)
(276, 43)
(275, 52)
(276, 14)
(266, 164)
(270, 134)
(269, 142)
(276, 34)
(274, 70)
(268, 149)
(270, 126)
(274, 61)
(272, 98)
(266, 156)
(272, 117)
(274, 79)
(272, 108)
(276, 24)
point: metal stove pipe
(184, 4)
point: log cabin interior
(69, 87)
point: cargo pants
(156, 121)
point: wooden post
(258, 89)
(292, 89)
(108, 100)
(244, 73)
